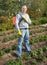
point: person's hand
(24, 18)
(19, 32)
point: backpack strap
(21, 18)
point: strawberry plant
(5, 39)
(13, 62)
(45, 48)
(39, 51)
(41, 57)
(38, 38)
(32, 40)
(37, 31)
(14, 46)
(9, 38)
(2, 52)
(27, 56)
(41, 38)
(6, 50)
(34, 53)
(20, 58)
(33, 62)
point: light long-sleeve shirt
(23, 23)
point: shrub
(5, 23)
(39, 21)
(35, 22)
(43, 20)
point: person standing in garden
(22, 22)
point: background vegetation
(37, 9)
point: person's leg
(26, 41)
(19, 46)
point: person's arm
(27, 19)
(17, 21)
(16, 25)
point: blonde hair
(24, 6)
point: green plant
(41, 38)
(38, 38)
(43, 20)
(39, 51)
(41, 57)
(5, 39)
(27, 56)
(20, 58)
(2, 52)
(34, 53)
(33, 61)
(6, 50)
(13, 62)
(32, 40)
(35, 22)
(14, 46)
(33, 31)
(9, 38)
(5, 22)
(45, 48)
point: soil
(12, 53)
